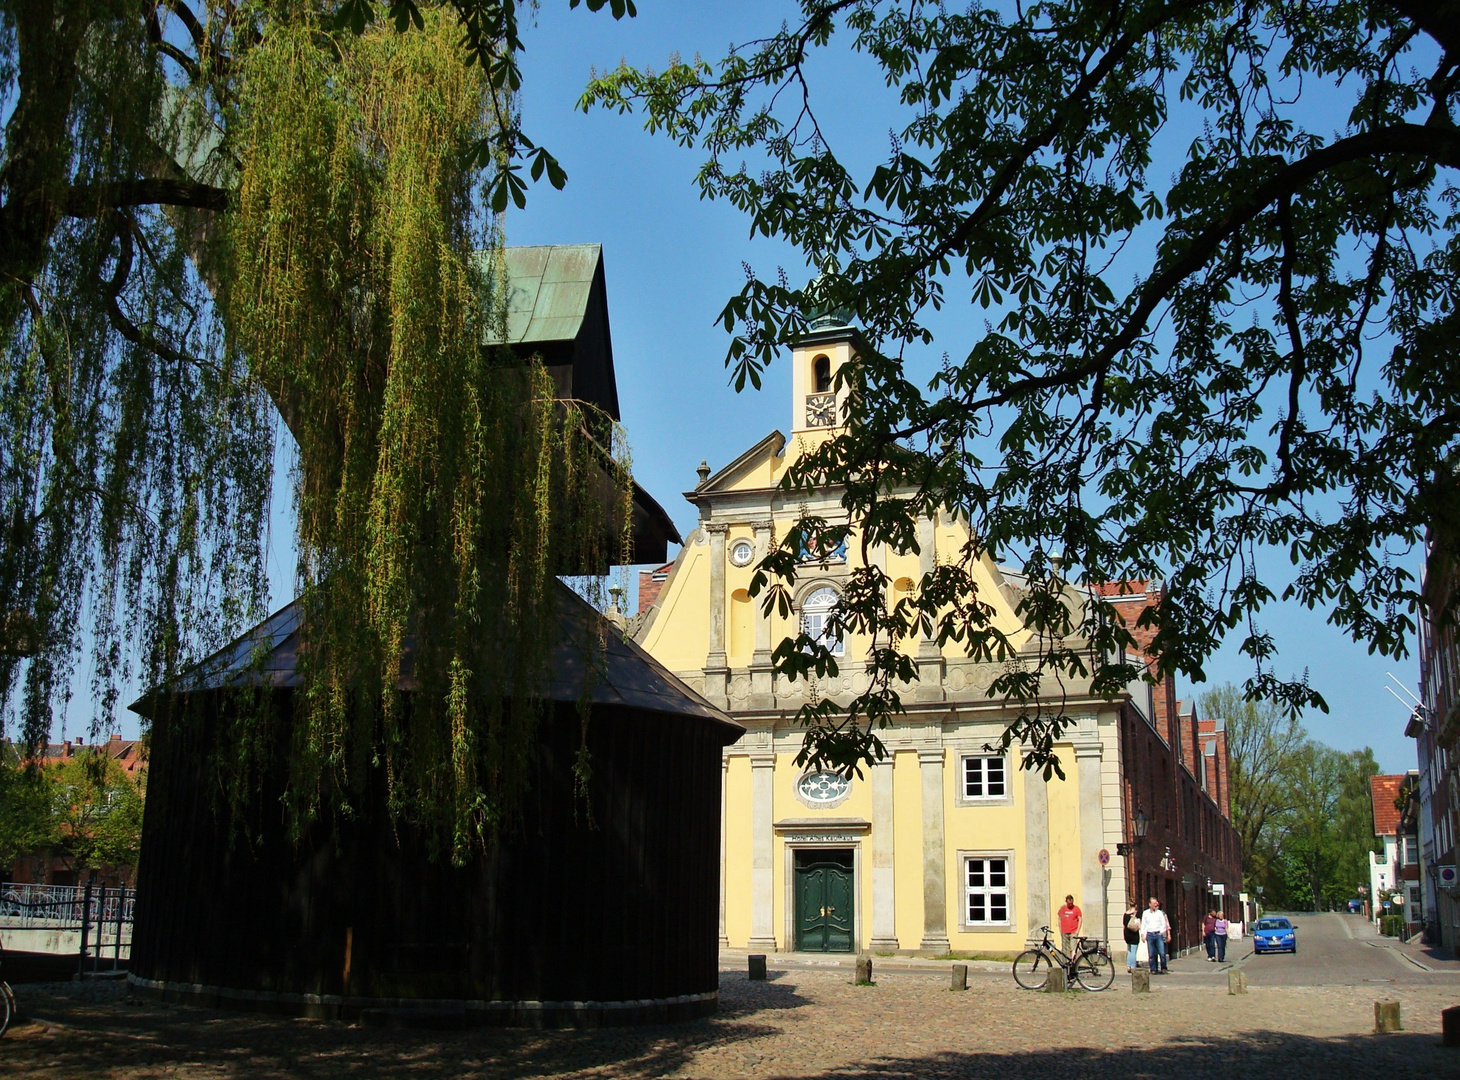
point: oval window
(741, 552)
(821, 788)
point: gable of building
(1383, 791)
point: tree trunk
(33, 182)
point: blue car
(1274, 935)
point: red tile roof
(1384, 790)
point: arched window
(821, 375)
(902, 589)
(742, 624)
(816, 619)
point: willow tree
(1216, 246)
(213, 209)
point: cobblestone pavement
(801, 1023)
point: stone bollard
(1054, 981)
(1450, 1026)
(1140, 982)
(864, 971)
(960, 977)
(757, 966)
(1386, 1017)
(1236, 981)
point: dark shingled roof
(628, 677)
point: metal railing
(63, 907)
(100, 914)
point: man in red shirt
(1071, 919)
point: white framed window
(986, 891)
(984, 778)
(816, 619)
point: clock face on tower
(821, 410)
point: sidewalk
(738, 959)
(1424, 957)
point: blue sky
(673, 259)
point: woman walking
(1132, 935)
(1220, 933)
(1209, 935)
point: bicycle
(1091, 965)
(7, 1000)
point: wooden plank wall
(623, 907)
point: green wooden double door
(825, 900)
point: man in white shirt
(1157, 931)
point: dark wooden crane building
(592, 918)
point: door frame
(840, 840)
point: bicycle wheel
(1030, 969)
(1094, 970)
(7, 1008)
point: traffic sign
(1104, 857)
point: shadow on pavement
(1265, 1054)
(123, 1040)
(118, 1037)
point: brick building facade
(1176, 776)
(1435, 727)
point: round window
(823, 788)
(741, 552)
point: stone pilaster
(762, 852)
(1092, 835)
(1036, 851)
(762, 680)
(929, 658)
(884, 875)
(935, 887)
(1112, 809)
(717, 672)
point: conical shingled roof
(625, 675)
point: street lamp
(1140, 825)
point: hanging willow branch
(317, 239)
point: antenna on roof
(1418, 703)
(1414, 706)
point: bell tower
(818, 403)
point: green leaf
(352, 15)
(405, 14)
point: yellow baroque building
(942, 847)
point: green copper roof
(548, 290)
